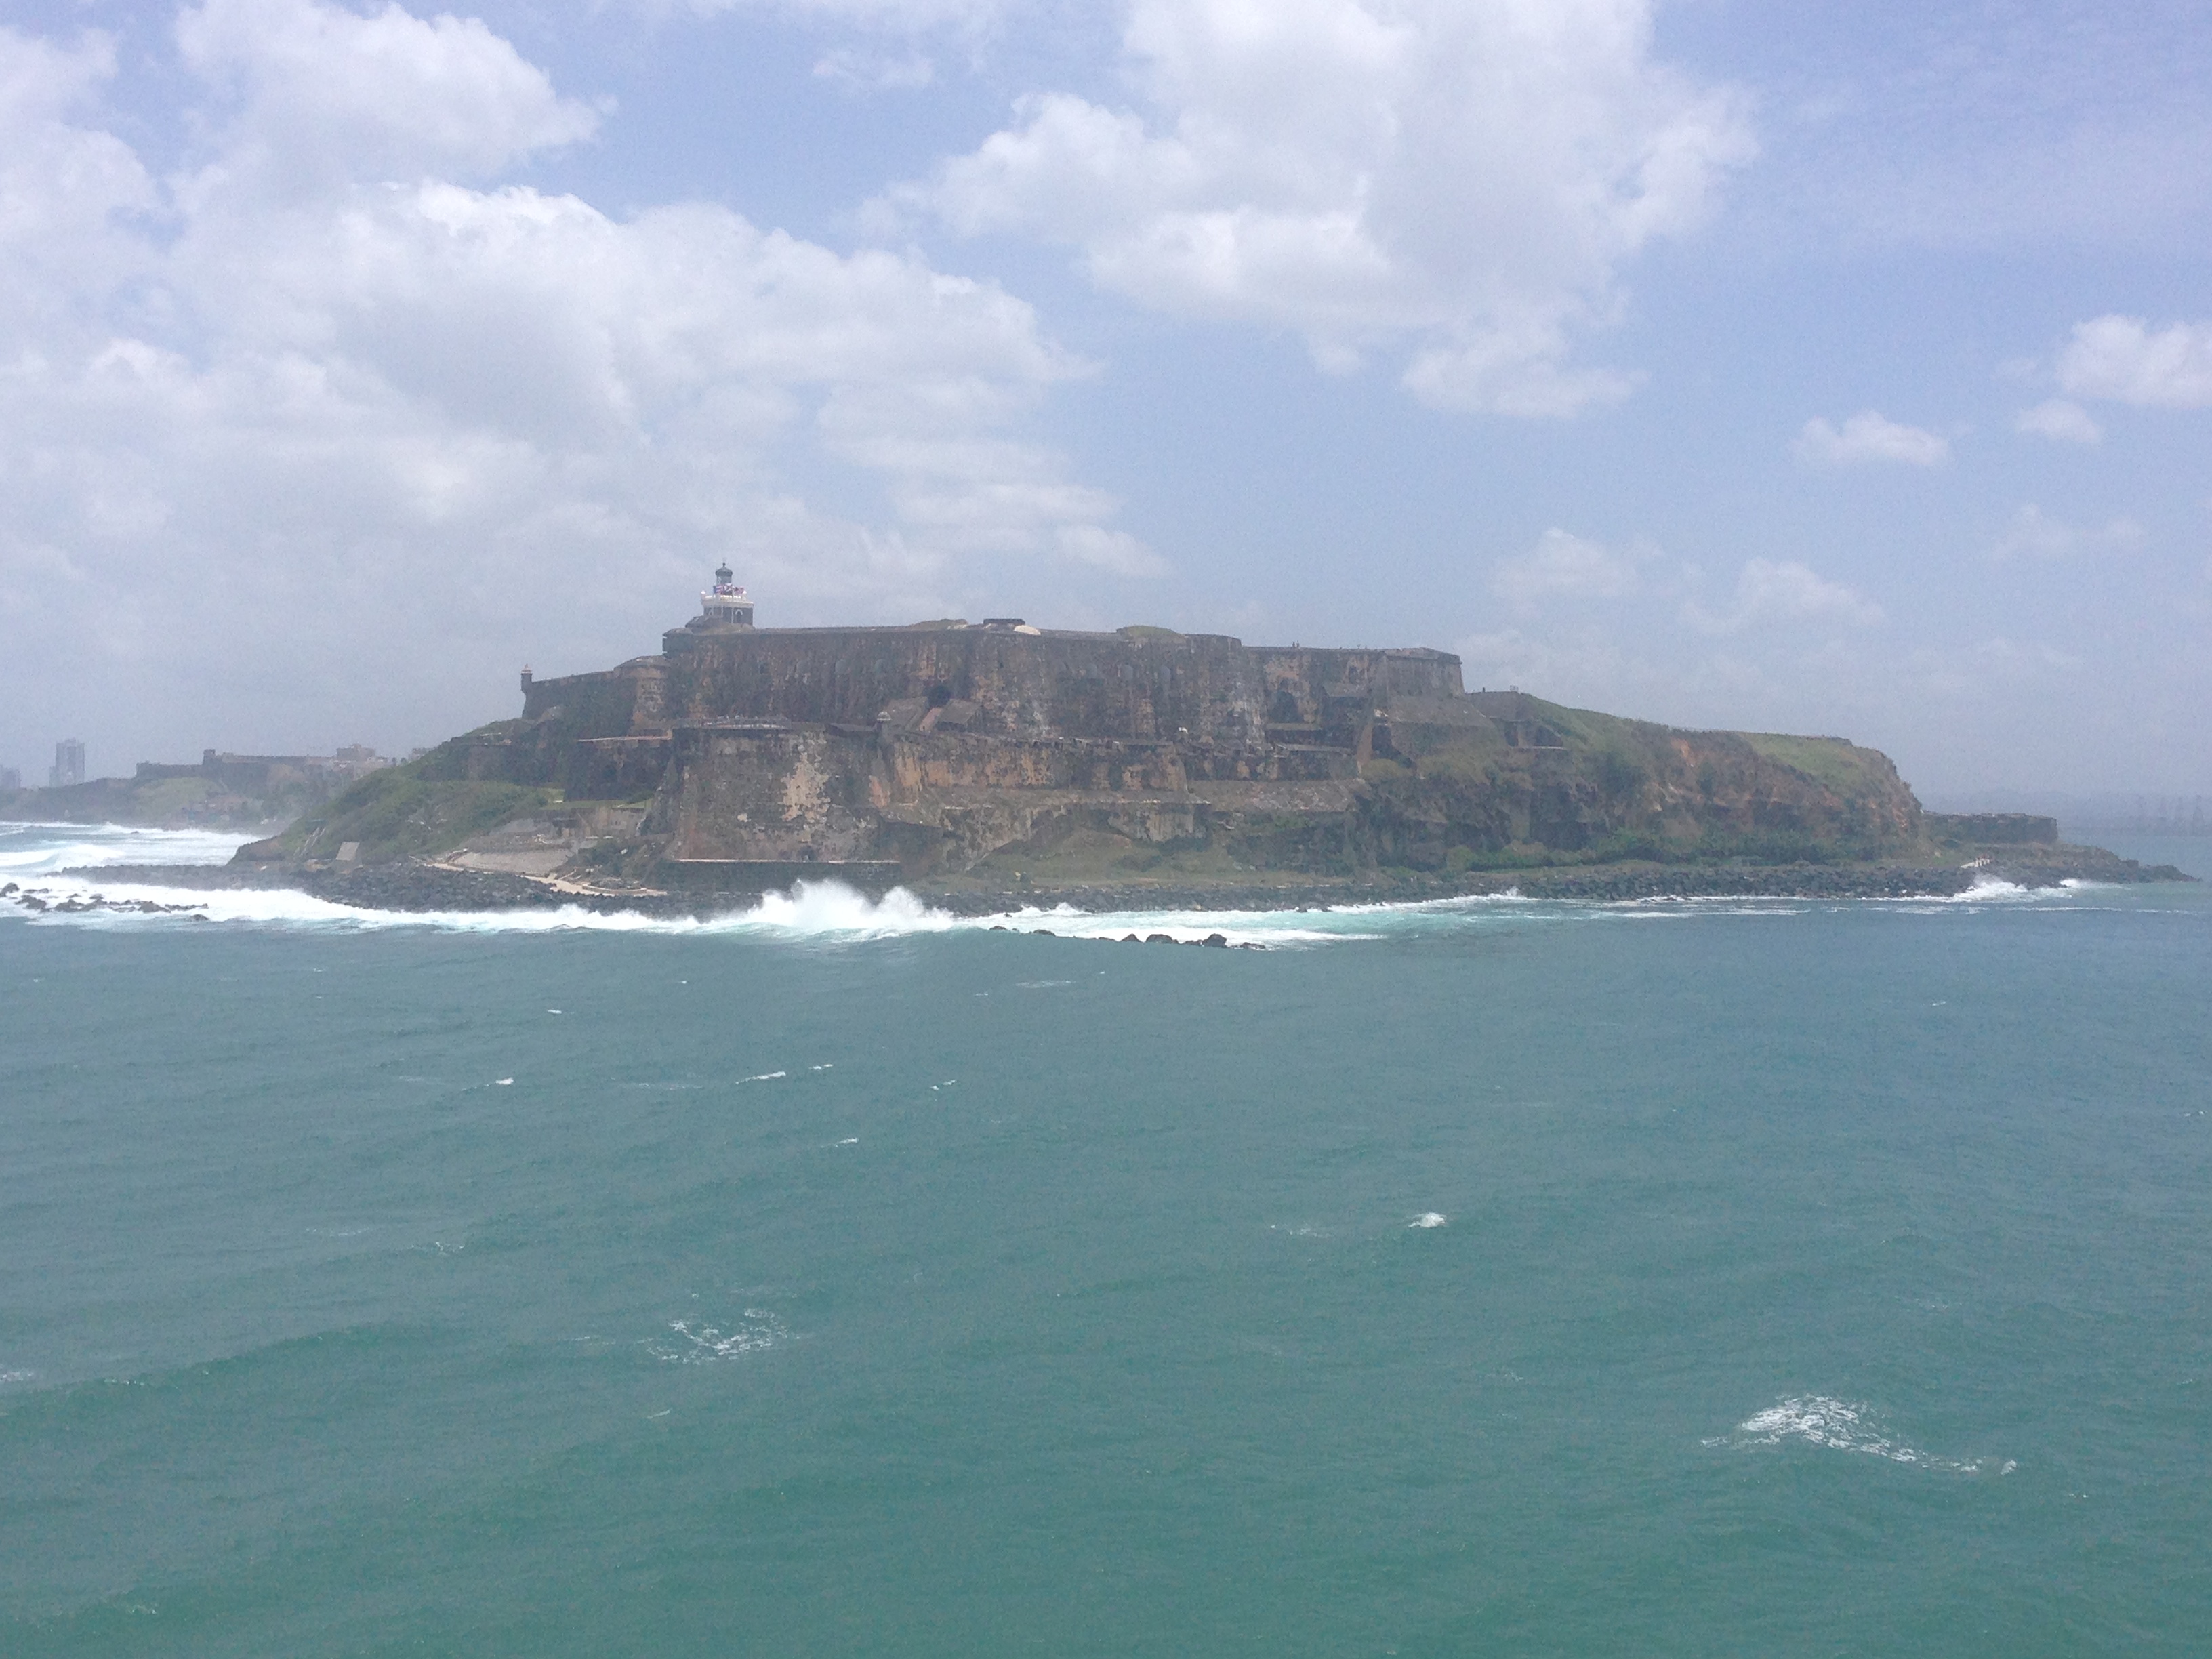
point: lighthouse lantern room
(725, 604)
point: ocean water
(1768, 1278)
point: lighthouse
(723, 606)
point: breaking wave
(1842, 1425)
(30, 850)
(33, 857)
(813, 909)
(700, 1344)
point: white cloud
(1567, 566)
(1115, 551)
(1462, 182)
(900, 17)
(2068, 422)
(1868, 436)
(64, 186)
(1771, 594)
(2033, 533)
(325, 93)
(874, 72)
(1985, 668)
(2124, 360)
(1576, 663)
(353, 412)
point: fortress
(949, 747)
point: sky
(1829, 368)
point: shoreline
(423, 886)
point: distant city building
(68, 765)
(11, 778)
(356, 759)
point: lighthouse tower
(723, 606)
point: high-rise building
(69, 763)
(9, 779)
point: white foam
(827, 910)
(700, 1345)
(1427, 1219)
(38, 849)
(1840, 1426)
(1991, 890)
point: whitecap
(701, 1344)
(1840, 1425)
(827, 910)
(1427, 1219)
(1993, 889)
(38, 849)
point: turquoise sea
(1723, 1277)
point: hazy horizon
(1844, 369)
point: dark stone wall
(597, 705)
(1115, 687)
(615, 769)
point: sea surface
(1500, 1278)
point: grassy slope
(397, 812)
(1633, 790)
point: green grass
(396, 813)
(1844, 767)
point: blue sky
(1819, 368)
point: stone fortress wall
(937, 745)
